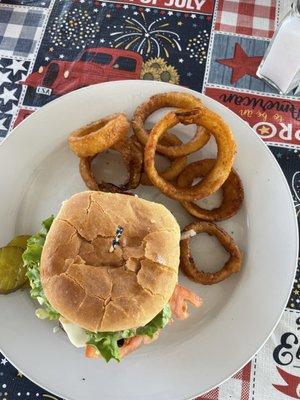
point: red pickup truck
(96, 65)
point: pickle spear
(12, 271)
(19, 241)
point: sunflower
(157, 69)
(149, 74)
(156, 63)
(169, 74)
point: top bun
(110, 291)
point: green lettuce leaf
(106, 343)
(31, 259)
(158, 322)
(128, 333)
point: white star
(82, 1)
(180, 60)
(4, 77)
(125, 6)
(193, 16)
(170, 13)
(103, 4)
(102, 40)
(61, 56)
(13, 109)
(23, 77)
(16, 66)
(4, 360)
(8, 95)
(95, 10)
(47, 58)
(147, 10)
(135, 13)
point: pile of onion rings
(177, 180)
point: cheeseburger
(107, 268)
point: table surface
(210, 46)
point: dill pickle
(19, 241)
(12, 271)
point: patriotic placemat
(51, 47)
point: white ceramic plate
(38, 171)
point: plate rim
(289, 209)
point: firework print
(252, 17)
(197, 47)
(74, 28)
(84, 45)
(11, 72)
(145, 36)
(20, 29)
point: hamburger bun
(104, 290)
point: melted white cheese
(76, 334)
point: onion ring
(132, 155)
(232, 188)
(220, 171)
(176, 166)
(99, 135)
(187, 263)
(171, 99)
